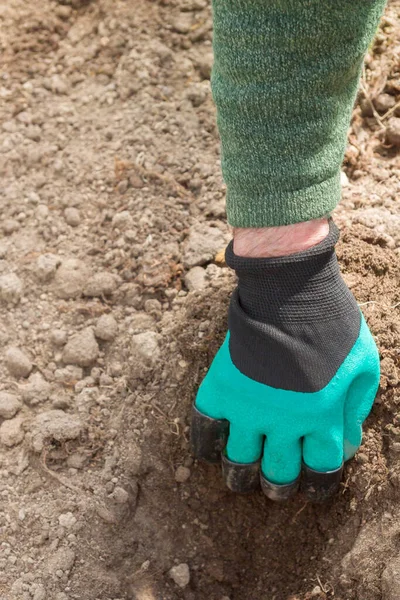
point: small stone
(130, 235)
(61, 560)
(9, 226)
(72, 216)
(42, 212)
(141, 322)
(53, 425)
(9, 405)
(123, 186)
(197, 94)
(40, 592)
(46, 266)
(122, 220)
(76, 460)
(395, 446)
(153, 306)
(36, 390)
(105, 380)
(81, 349)
(182, 474)
(344, 180)
(106, 328)
(204, 65)
(120, 495)
(182, 23)
(195, 279)
(63, 12)
(33, 132)
(106, 515)
(11, 432)
(58, 85)
(316, 592)
(393, 131)
(17, 362)
(100, 284)
(10, 288)
(362, 458)
(384, 102)
(71, 277)
(202, 245)
(180, 574)
(59, 337)
(136, 181)
(67, 520)
(145, 347)
(391, 580)
(69, 375)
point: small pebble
(59, 337)
(46, 266)
(195, 279)
(60, 561)
(362, 458)
(10, 288)
(81, 349)
(67, 520)
(40, 592)
(393, 131)
(106, 328)
(384, 102)
(316, 592)
(120, 495)
(53, 425)
(145, 346)
(202, 244)
(42, 212)
(70, 278)
(101, 284)
(182, 474)
(17, 362)
(9, 405)
(122, 220)
(72, 216)
(9, 226)
(11, 432)
(180, 574)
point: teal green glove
(294, 379)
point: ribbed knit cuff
(284, 81)
(257, 206)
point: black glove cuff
(292, 320)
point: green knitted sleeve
(284, 82)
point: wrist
(267, 242)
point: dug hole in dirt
(113, 301)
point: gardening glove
(286, 395)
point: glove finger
(323, 464)
(241, 462)
(208, 436)
(359, 400)
(281, 466)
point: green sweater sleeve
(284, 82)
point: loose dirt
(113, 298)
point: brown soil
(106, 110)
